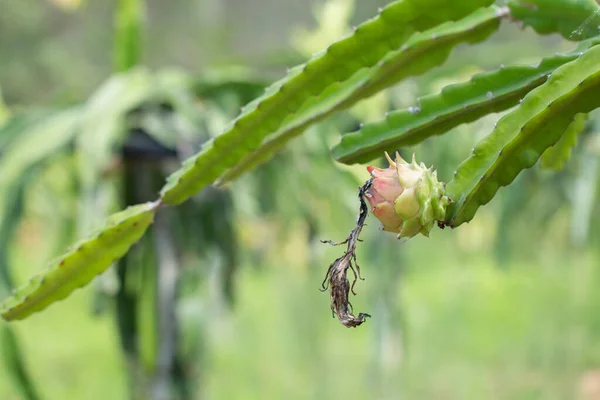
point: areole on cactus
(406, 197)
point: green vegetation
(191, 204)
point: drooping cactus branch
(336, 277)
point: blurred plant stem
(147, 298)
(10, 348)
(388, 332)
(317, 377)
(584, 189)
(168, 271)
(13, 361)
(128, 34)
(4, 111)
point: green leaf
(12, 203)
(422, 52)
(556, 157)
(521, 136)
(573, 19)
(368, 44)
(148, 307)
(244, 82)
(185, 122)
(103, 119)
(4, 111)
(12, 358)
(584, 196)
(20, 138)
(103, 134)
(128, 35)
(37, 141)
(16, 124)
(79, 266)
(456, 104)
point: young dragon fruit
(406, 198)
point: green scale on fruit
(406, 197)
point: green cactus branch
(573, 19)
(367, 45)
(521, 136)
(422, 52)
(80, 265)
(558, 155)
(456, 104)
(407, 38)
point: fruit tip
(392, 162)
(399, 158)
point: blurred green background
(505, 307)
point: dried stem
(336, 279)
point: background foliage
(505, 305)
